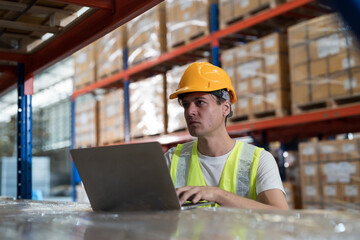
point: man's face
(203, 115)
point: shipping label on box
(308, 152)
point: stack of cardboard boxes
(330, 173)
(109, 53)
(259, 72)
(111, 118)
(85, 121)
(175, 112)
(186, 20)
(84, 67)
(147, 35)
(325, 62)
(147, 109)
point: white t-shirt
(267, 176)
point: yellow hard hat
(204, 77)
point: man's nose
(191, 109)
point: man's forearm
(228, 199)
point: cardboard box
(300, 72)
(257, 84)
(345, 83)
(276, 71)
(324, 26)
(228, 58)
(310, 185)
(275, 43)
(255, 50)
(344, 61)
(258, 104)
(298, 55)
(279, 101)
(318, 69)
(250, 69)
(308, 152)
(297, 34)
(329, 150)
(349, 193)
(300, 92)
(349, 149)
(242, 106)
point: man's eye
(199, 102)
(185, 105)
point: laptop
(129, 177)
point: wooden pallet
(83, 85)
(264, 7)
(189, 39)
(109, 74)
(117, 141)
(278, 112)
(326, 104)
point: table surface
(25, 219)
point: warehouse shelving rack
(300, 126)
(284, 129)
(109, 15)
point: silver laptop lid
(126, 177)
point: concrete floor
(60, 220)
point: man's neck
(214, 146)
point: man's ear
(226, 108)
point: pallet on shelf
(147, 111)
(111, 117)
(109, 53)
(231, 11)
(84, 67)
(259, 71)
(187, 21)
(325, 64)
(334, 174)
(86, 120)
(147, 35)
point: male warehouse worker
(216, 167)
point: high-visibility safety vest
(238, 176)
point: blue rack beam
(24, 136)
(75, 178)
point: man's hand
(269, 199)
(197, 193)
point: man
(216, 167)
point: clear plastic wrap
(111, 118)
(325, 62)
(147, 107)
(84, 67)
(175, 112)
(85, 121)
(109, 53)
(186, 20)
(50, 220)
(259, 72)
(330, 173)
(147, 35)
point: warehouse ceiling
(39, 33)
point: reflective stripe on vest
(238, 176)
